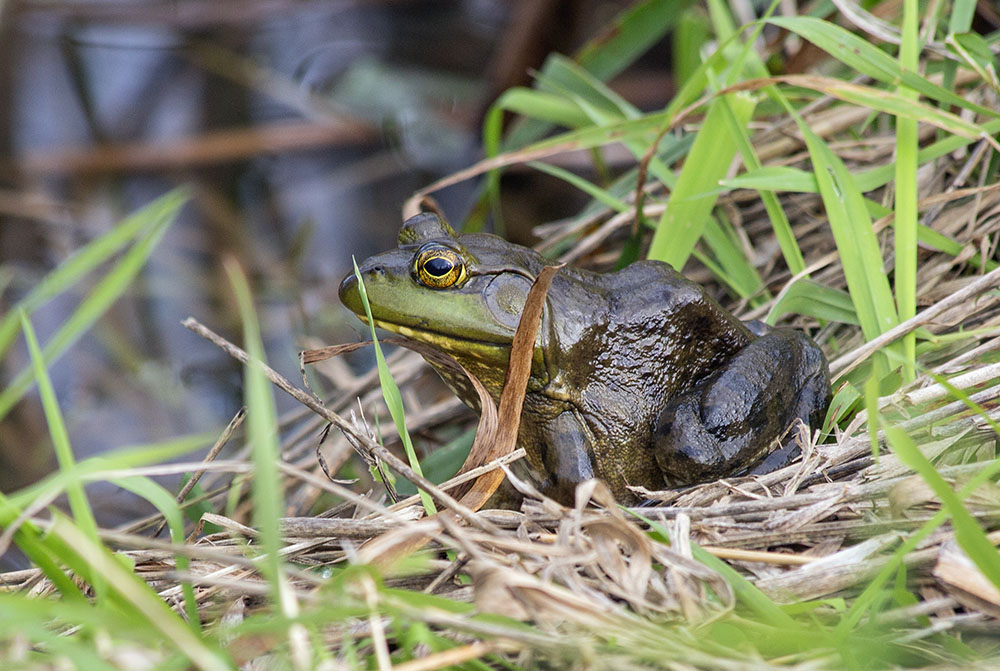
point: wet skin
(638, 376)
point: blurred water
(78, 76)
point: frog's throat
(459, 348)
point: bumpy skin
(639, 377)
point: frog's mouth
(457, 347)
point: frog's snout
(350, 293)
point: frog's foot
(728, 422)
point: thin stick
(777, 558)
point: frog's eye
(439, 267)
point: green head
(462, 294)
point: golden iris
(439, 267)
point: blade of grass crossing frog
(443, 463)
(514, 386)
(393, 399)
(689, 207)
(905, 222)
(86, 259)
(102, 296)
(500, 436)
(262, 431)
(78, 502)
(855, 239)
(165, 502)
(142, 601)
(860, 55)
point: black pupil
(438, 266)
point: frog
(638, 377)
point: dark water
(300, 127)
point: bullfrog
(639, 377)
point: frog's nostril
(378, 271)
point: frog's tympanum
(639, 377)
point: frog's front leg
(727, 422)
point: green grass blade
(629, 36)
(138, 597)
(393, 399)
(589, 188)
(890, 102)
(693, 32)
(905, 222)
(860, 55)
(95, 468)
(854, 236)
(78, 502)
(85, 260)
(165, 502)
(543, 106)
(975, 50)
(806, 297)
(732, 260)
(690, 205)
(262, 432)
(962, 12)
(565, 78)
(159, 215)
(783, 178)
(37, 547)
(968, 533)
(779, 220)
